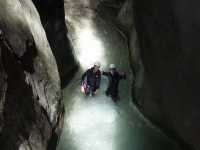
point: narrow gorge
(41, 60)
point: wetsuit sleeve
(106, 74)
(83, 77)
(99, 81)
(122, 76)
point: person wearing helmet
(113, 77)
(93, 80)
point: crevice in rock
(19, 108)
(27, 59)
(53, 20)
(56, 131)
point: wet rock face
(30, 95)
(53, 20)
(165, 58)
(2, 91)
(24, 121)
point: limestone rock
(30, 83)
(3, 86)
(165, 58)
(52, 16)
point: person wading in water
(113, 77)
(93, 80)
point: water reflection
(90, 122)
(99, 123)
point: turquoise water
(98, 123)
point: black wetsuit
(112, 89)
(93, 80)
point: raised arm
(123, 76)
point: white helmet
(97, 64)
(112, 66)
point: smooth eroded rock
(33, 101)
(165, 59)
(53, 20)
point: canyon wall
(52, 16)
(31, 107)
(163, 39)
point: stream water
(98, 123)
